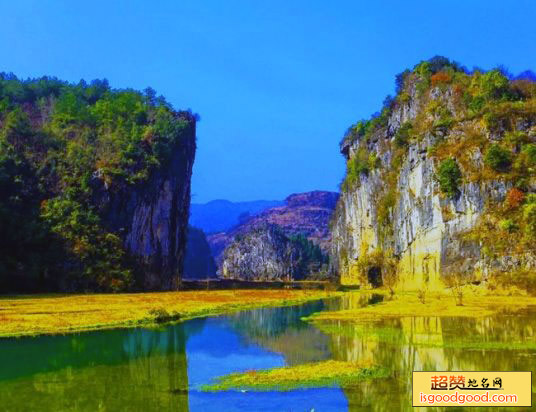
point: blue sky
(276, 82)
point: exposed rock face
(305, 214)
(152, 217)
(423, 228)
(264, 253)
(425, 225)
(198, 263)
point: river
(163, 369)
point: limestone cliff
(264, 253)
(152, 217)
(422, 187)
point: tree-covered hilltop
(66, 151)
(443, 179)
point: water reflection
(281, 330)
(162, 369)
(503, 342)
(96, 371)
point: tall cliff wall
(152, 217)
(422, 188)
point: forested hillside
(81, 166)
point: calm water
(162, 369)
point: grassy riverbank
(311, 375)
(53, 314)
(409, 304)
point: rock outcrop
(397, 202)
(264, 253)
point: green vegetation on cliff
(492, 100)
(59, 142)
(461, 140)
(449, 177)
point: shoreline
(26, 315)
(474, 304)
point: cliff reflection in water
(281, 330)
(162, 369)
(502, 342)
(112, 370)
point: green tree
(449, 176)
(498, 158)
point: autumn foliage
(514, 198)
(440, 78)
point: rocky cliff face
(263, 253)
(306, 214)
(420, 186)
(151, 218)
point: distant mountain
(305, 214)
(222, 215)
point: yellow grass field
(311, 375)
(407, 304)
(29, 315)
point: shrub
(515, 138)
(493, 84)
(421, 295)
(389, 272)
(161, 315)
(361, 163)
(454, 278)
(444, 122)
(16, 130)
(402, 135)
(531, 198)
(449, 177)
(374, 161)
(440, 78)
(514, 198)
(356, 131)
(400, 80)
(404, 97)
(509, 225)
(529, 213)
(518, 279)
(530, 151)
(475, 104)
(440, 63)
(498, 158)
